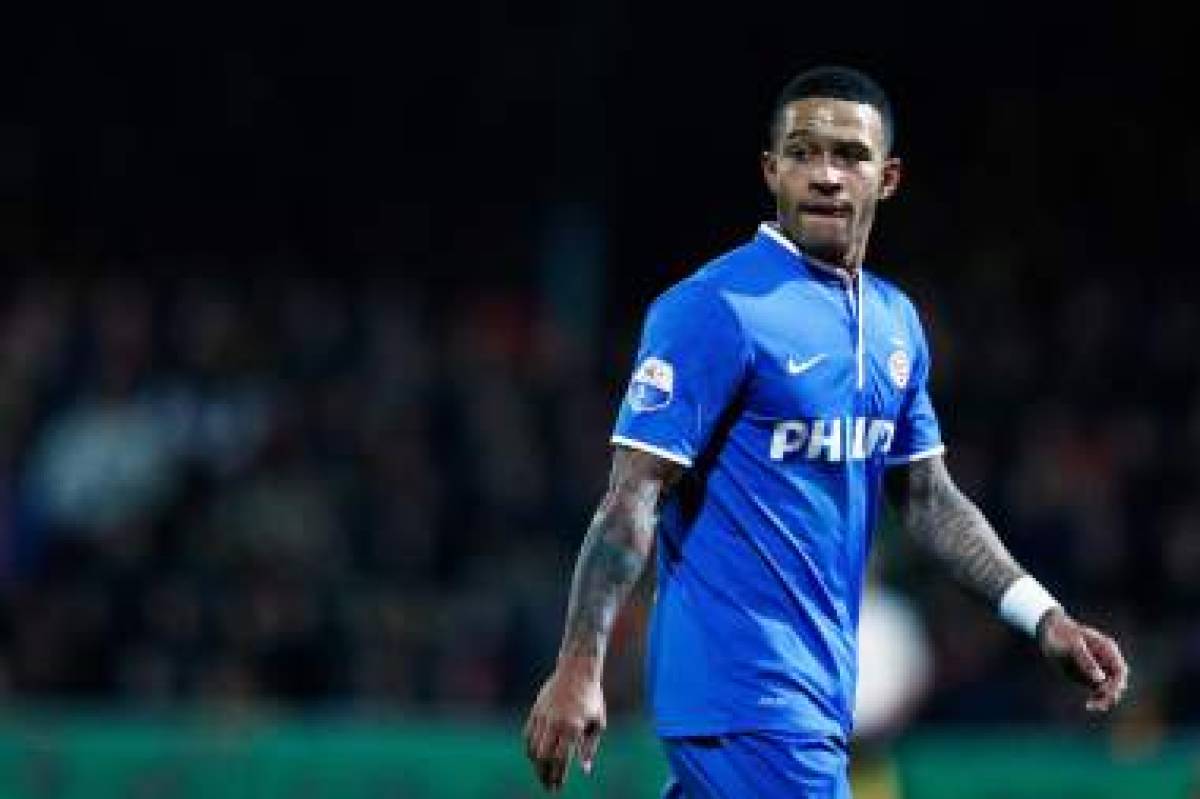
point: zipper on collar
(852, 283)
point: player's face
(827, 168)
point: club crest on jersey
(899, 368)
(652, 386)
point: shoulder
(751, 268)
(696, 303)
(703, 308)
(714, 283)
(728, 281)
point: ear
(893, 170)
(770, 170)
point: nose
(826, 185)
(825, 179)
(825, 188)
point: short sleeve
(691, 360)
(918, 435)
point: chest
(825, 350)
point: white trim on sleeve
(916, 456)
(633, 443)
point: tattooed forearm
(614, 551)
(604, 575)
(948, 525)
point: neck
(850, 264)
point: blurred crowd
(283, 488)
(365, 492)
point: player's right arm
(690, 363)
(568, 716)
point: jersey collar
(853, 288)
(771, 231)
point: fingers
(1090, 657)
(589, 744)
(566, 740)
(531, 733)
(537, 741)
(549, 745)
(1108, 655)
(1093, 674)
(1086, 665)
(552, 755)
(566, 719)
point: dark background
(314, 325)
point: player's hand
(1087, 656)
(567, 719)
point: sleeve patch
(653, 385)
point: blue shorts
(757, 764)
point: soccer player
(772, 390)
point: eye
(853, 153)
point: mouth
(827, 210)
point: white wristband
(1024, 603)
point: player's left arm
(947, 525)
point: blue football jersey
(786, 387)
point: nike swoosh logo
(795, 367)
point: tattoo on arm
(949, 526)
(615, 550)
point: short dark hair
(839, 83)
